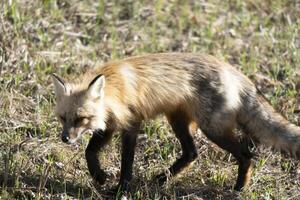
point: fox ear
(96, 86)
(60, 86)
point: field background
(260, 37)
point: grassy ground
(261, 37)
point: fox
(187, 88)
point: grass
(261, 38)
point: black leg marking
(98, 141)
(128, 148)
(239, 149)
(180, 125)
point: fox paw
(160, 179)
(120, 189)
(100, 177)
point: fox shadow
(205, 192)
(174, 191)
(57, 186)
(28, 186)
(201, 192)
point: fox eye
(62, 118)
(79, 120)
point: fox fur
(187, 88)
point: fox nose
(65, 138)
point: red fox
(187, 88)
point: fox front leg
(98, 141)
(129, 136)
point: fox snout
(69, 135)
(65, 135)
(65, 138)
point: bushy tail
(260, 120)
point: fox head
(79, 110)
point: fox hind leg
(179, 122)
(239, 149)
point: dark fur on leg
(180, 125)
(239, 149)
(98, 141)
(128, 148)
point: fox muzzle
(65, 136)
